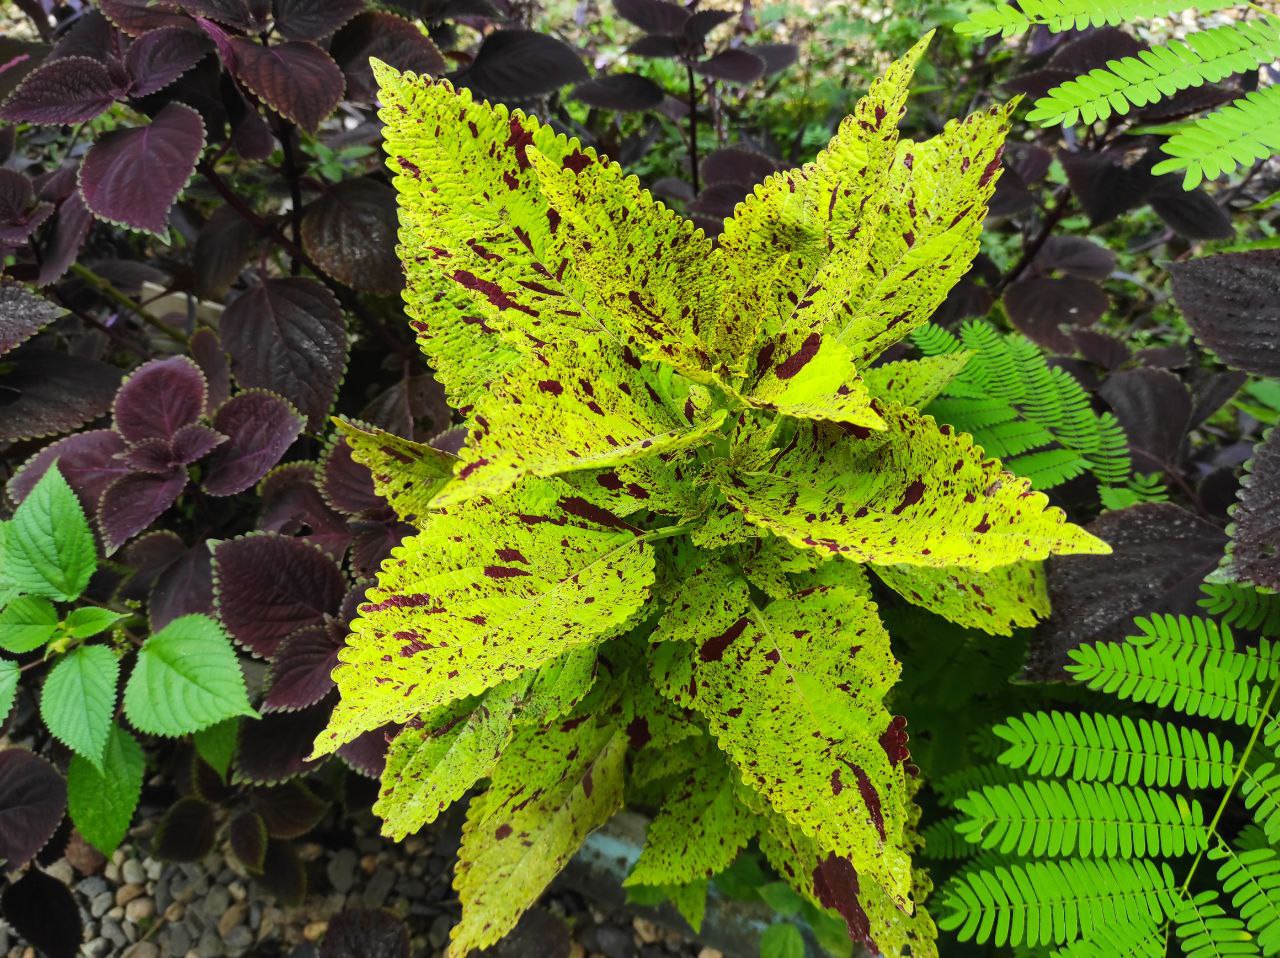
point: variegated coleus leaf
(996, 601)
(915, 382)
(915, 494)
(793, 693)
(484, 592)
(407, 474)
(549, 789)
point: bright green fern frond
(959, 783)
(1145, 938)
(1198, 641)
(1101, 747)
(1049, 818)
(1059, 15)
(1204, 57)
(943, 843)
(1048, 903)
(1206, 930)
(1260, 789)
(1240, 134)
(1252, 879)
(1242, 606)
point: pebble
(210, 944)
(92, 886)
(101, 904)
(140, 909)
(179, 941)
(143, 949)
(61, 870)
(133, 872)
(127, 893)
(315, 930)
(341, 870)
(239, 939)
(379, 887)
(232, 918)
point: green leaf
(47, 548)
(407, 474)
(187, 678)
(79, 698)
(996, 601)
(782, 898)
(9, 675)
(217, 744)
(102, 801)
(88, 621)
(782, 940)
(27, 623)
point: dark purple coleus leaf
(283, 873)
(147, 556)
(33, 798)
(1154, 407)
(518, 64)
(1232, 303)
(653, 16)
(40, 909)
(20, 214)
(22, 315)
(292, 505)
(313, 19)
(207, 351)
(620, 91)
(776, 56)
(269, 586)
(347, 485)
(1191, 214)
(44, 392)
(1101, 349)
(373, 541)
(91, 35)
(366, 933)
(194, 442)
(386, 37)
(133, 177)
(295, 78)
(274, 748)
(133, 502)
(737, 165)
(1076, 256)
(162, 455)
(87, 460)
(366, 754)
(70, 228)
(1214, 392)
(158, 58)
(656, 46)
(70, 90)
(702, 22)
(247, 16)
(1106, 184)
(187, 831)
(136, 17)
(159, 398)
(289, 810)
(184, 587)
(350, 233)
(225, 244)
(1047, 308)
(1160, 554)
(410, 398)
(300, 670)
(288, 336)
(732, 66)
(260, 426)
(1254, 554)
(251, 135)
(247, 835)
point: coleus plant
(644, 573)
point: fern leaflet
(1240, 134)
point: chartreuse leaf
(996, 601)
(431, 764)
(549, 789)
(915, 382)
(46, 548)
(27, 623)
(486, 591)
(793, 693)
(782, 940)
(102, 798)
(917, 494)
(90, 620)
(577, 405)
(79, 698)
(9, 675)
(186, 679)
(405, 473)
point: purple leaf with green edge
(776, 56)
(194, 442)
(1045, 309)
(204, 780)
(133, 502)
(224, 245)
(87, 460)
(147, 557)
(33, 798)
(1254, 553)
(295, 78)
(283, 873)
(251, 135)
(274, 748)
(260, 427)
(1154, 407)
(347, 486)
(1160, 554)
(368, 933)
(292, 505)
(372, 542)
(350, 232)
(311, 20)
(702, 22)
(621, 92)
(70, 228)
(288, 336)
(300, 670)
(347, 613)
(1232, 303)
(410, 398)
(187, 831)
(159, 57)
(44, 392)
(732, 66)
(208, 354)
(90, 36)
(185, 587)
(247, 16)
(41, 909)
(289, 810)
(22, 315)
(20, 215)
(268, 585)
(70, 90)
(656, 47)
(522, 63)
(367, 753)
(386, 37)
(653, 16)
(136, 17)
(247, 835)
(159, 398)
(133, 177)
(1076, 256)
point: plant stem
(104, 287)
(670, 532)
(1030, 251)
(693, 126)
(286, 132)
